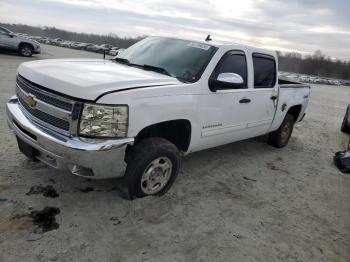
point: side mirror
(231, 78)
(11, 34)
(226, 81)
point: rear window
(264, 71)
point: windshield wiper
(122, 60)
(157, 69)
(146, 67)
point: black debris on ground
(47, 191)
(86, 189)
(46, 218)
(116, 221)
(249, 179)
(3, 199)
(237, 236)
(272, 166)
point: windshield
(182, 59)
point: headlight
(104, 121)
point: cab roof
(226, 44)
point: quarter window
(233, 62)
(264, 71)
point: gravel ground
(245, 201)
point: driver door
(6, 41)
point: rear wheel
(152, 168)
(344, 126)
(281, 136)
(26, 50)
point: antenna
(208, 38)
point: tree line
(317, 64)
(52, 32)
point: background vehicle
(57, 41)
(345, 126)
(115, 52)
(12, 42)
(82, 46)
(159, 99)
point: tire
(344, 126)
(152, 168)
(281, 136)
(25, 50)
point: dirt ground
(245, 201)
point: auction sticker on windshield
(199, 45)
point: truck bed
(286, 83)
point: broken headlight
(104, 121)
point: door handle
(244, 101)
(273, 97)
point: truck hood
(89, 78)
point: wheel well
(295, 111)
(24, 43)
(176, 131)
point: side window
(3, 32)
(264, 71)
(233, 62)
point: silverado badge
(31, 101)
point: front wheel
(281, 136)
(26, 50)
(152, 168)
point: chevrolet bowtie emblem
(31, 101)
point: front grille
(34, 89)
(54, 111)
(54, 121)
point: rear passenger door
(264, 95)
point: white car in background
(116, 51)
(9, 41)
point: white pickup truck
(137, 114)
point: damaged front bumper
(97, 158)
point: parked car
(102, 48)
(158, 100)
(115, 52)
(345, 126)
(11, 42)
(67, 44)
(106, 46)
(81, 46)
(93, 48)
(57, 41)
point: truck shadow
(220, 161)
(192, 165)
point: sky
(299, 25)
